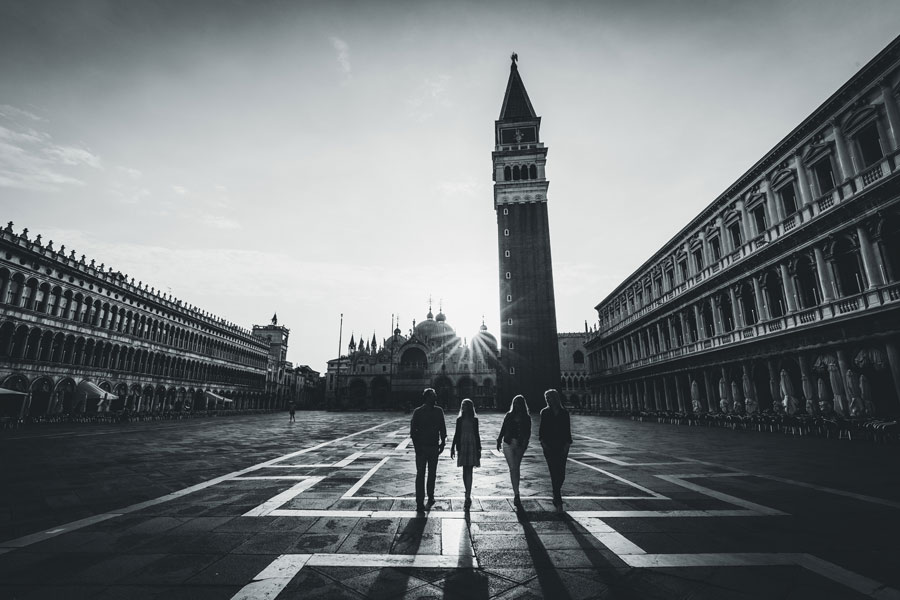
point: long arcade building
(785, 291)
(78, 337)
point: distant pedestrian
(292, 409)
(515, 434)
(555, 434)
(429, 436)
(467, 441)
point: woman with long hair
(467, 445)
(514, 436)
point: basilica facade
(784, 293)
(393, 374)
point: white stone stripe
(273, 579)
(829, 570)
(344, 462)
(609, 537)
(283, 498)
(593, 439)
(377, 514)
(45, 535)
(455, 538)
(622, 463)
(759, 508)
(404, 444)
(510, 498)
(276, 477)
(38, 537)
(617, 478)
(679, 514)
(364, 478)
(813, 486)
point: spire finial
(514, 57)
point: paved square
(257, 508)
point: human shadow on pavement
(551, 584)
(617, 583)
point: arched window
(507, 173)
(848, 268)
(532, 171)
(806, 282)
(578, 357)
(774, 294)
(516, 173)
(727, 312)
(748, 304)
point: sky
(319, 159)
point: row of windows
(763, 297)
(56, 301)
(866, 148)
(520, 172)
(53, 347)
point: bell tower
(528, 341)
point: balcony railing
(808, 212)
(882, 296)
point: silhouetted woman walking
(514, 436)
(467, 443)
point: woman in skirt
(466, 445)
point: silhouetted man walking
(429, 434)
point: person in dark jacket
(514, 436)
(555, 434)
(429, 435)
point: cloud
(129, 194)
(133, 173)
(429, 97)
(343, 54)
(451, 189)
(31, 160)
(220, 222)
(17, 114)
(221, 188)
(179, 189)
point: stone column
(646, 397)
(717, 312)
(790, 292)
(698, 317)
(843, 155)
(666, 394)
(773, 382)
(773, 206)
(844, 365)
(893, 356)
(679, 394)
(736, 308)
(659, 336)
(802, 180)
(685, 334)
(656, 403)
(760, 301)
(711, 403)
(745, 219)
(873, 274)
(893, 117)
(826, 283)
(807, 385)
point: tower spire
(516, 103)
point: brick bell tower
(528, 341)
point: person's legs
(421, 460)
(513, 454)
(552, 458)
(467, 481)
(432, 454)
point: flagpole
(337, 386)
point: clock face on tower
(518, 135)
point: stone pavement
(256, 508)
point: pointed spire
(352, 345)
(516, 104)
